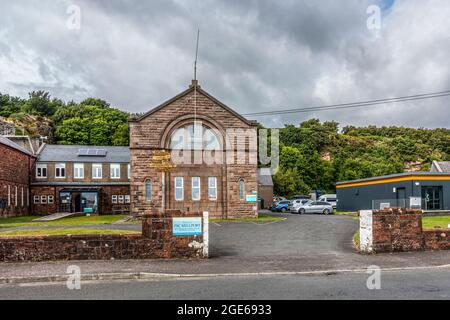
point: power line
(354, 104)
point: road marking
(266, 223)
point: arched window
(241, 189)
(148, 190)
(194, 137)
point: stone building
(88, 179)
(15, 166)
(195, 128)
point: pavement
(393, 285)
(298, 245)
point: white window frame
(212, 188)
(180, 187)
(129, 171)
(22, 202)
(40, 170)
(193, 179)
(96, 166)
(16, 196)
(44, 199)
(114, 198)
(114, 168)
(9, 195)
(36, 199)
(148, 191)
(50, 199)
(241, 192)
(77, 169)
(121, 199)
(127, 198)
(60, 166)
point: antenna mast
(196, 55)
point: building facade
(265, 188)
(194, 126)
(430, 191)
(15, 167)
(88, 179)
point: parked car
(316, 207)
(330, 198)
(295, 205)
(281, 206)
(277, 199)
(299, 197)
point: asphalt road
(419, 284)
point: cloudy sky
(255, 55)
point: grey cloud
(255, 55)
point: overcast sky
(254, 55)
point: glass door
(432, 198)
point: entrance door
(401, 197)
(432, 198)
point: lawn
(39, 232)
(435, 222)
(262, 217)
(71, 221)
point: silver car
(316, 207)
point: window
(37, 199)
(241, 189)
(97, 169)
(114, 199)
(212, 188)
(196, 188)
(60, 170)
(179, 189)
(114, 171)
(121, 199)
(78, 171)
(194, 137)
(22, 202)
(43, 199)
(148, 190)
(129, 171)
(9, 195)
(41, 170)
(127, 198)
(15, 197)
(50, 199)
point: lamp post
(162, 161)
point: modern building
(89, 179)
(426, 190)
(15, 167)
(194, 126)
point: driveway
(296, 235)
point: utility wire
(354, 104)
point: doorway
(432, 198)
(401, 197)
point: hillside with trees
(313, 155)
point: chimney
(194, 83)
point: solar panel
(92, 152)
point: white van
(330, 198)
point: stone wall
(395, 229)
(156, 241)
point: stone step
(58, 215)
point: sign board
(251, 198)
(187, 226)
(384, 205)
(415, 202)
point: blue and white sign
(187, 226)
(251, 197)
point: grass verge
(65, 231)
(435, 222)
(262, 217)
(356, 240)
(71, 221)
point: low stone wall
(437, 239)
(396, 229)
(156, 241)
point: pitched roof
(191, 88)
(442, 166)
(14, 145)
(264, 177)
(71, 153)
